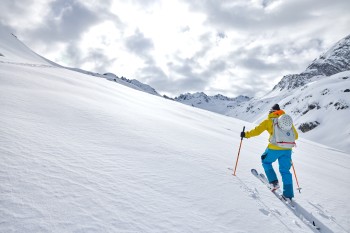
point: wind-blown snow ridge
(83, 154)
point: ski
(308, 218)
(277, 193)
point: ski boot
(274, 185)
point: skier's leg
(267, 158)
(284, 167)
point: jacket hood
(276, 114)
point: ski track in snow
(254, 194)
(307, 217)
(29, 64)
(281, 217)
(326, 215)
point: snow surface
(83, 154)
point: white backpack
(283, 136)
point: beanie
(275, 107)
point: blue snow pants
(285, 162)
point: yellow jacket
(268, 125)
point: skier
(274, 152)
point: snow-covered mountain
(82, 154)
(133, 83)
(335, 60)
(217, 103)
(142, 86)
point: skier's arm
(257, 130)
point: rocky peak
(335, 60)
(189, 96)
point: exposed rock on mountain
(335, 60)
(305, 127)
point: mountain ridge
(334, 60)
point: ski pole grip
(243, 131)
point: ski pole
(239, 150)
(295, 175)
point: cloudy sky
(231, 47)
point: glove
(242, 134)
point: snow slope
(83, 154)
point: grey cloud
(251, 84)
(144, 3)
(139, 44)
(97, 57)
(185, 29)
(256, 58)
(219, 14)
(186, 74)
(7, 28)
(194, 84)
(9, 8)
(182, 77)
(242, 16)
(73, 54)
(255, 86)
(256, 64)
(177, 87)
(66, 22)
(215, 67)
(102, 63)
(205, 48)
(185, 78)
(184, 67)
(266, 3)
(152, 75)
